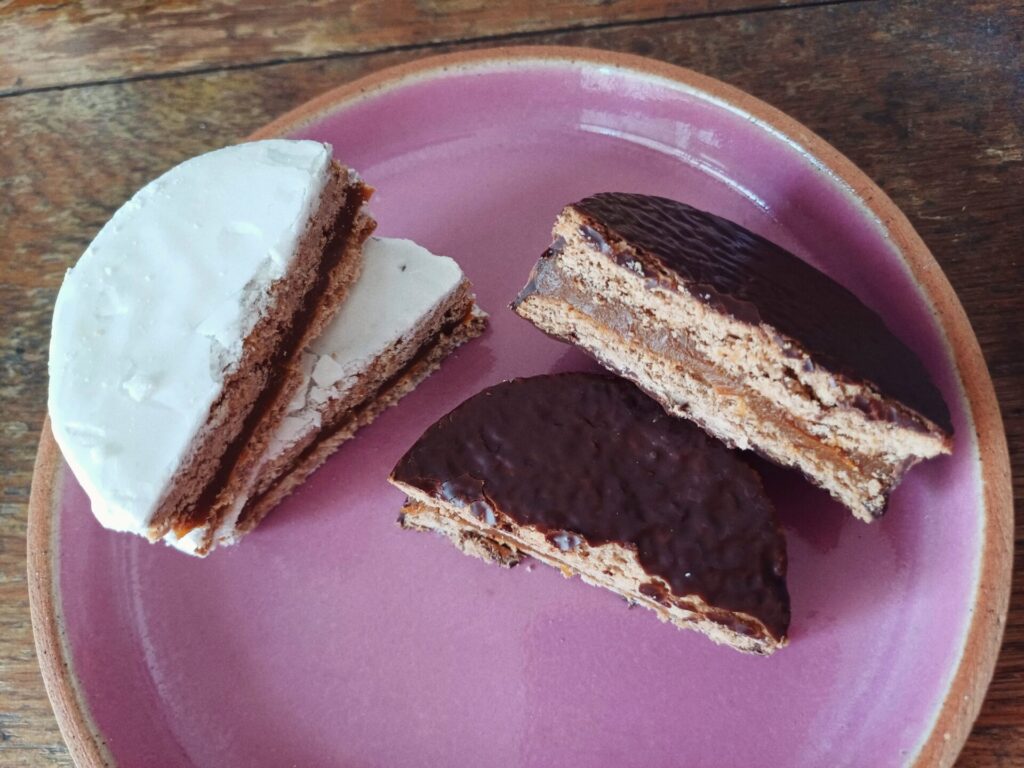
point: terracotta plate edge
(83, 739)
(984, 635)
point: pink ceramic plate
(331, 637)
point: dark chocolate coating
(755, 281)
(590, 455)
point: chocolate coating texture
(591, 456)
(755, 281)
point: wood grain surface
(45, 41)
(927, 98)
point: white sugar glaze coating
(401, 284)
(153, 316)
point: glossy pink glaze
(331, 637)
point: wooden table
(927, 98)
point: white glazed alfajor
(165, 330)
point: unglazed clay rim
(970, 680)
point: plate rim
(983, 639)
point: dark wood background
(926, 97)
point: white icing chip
(138, 387)
(327, 371)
